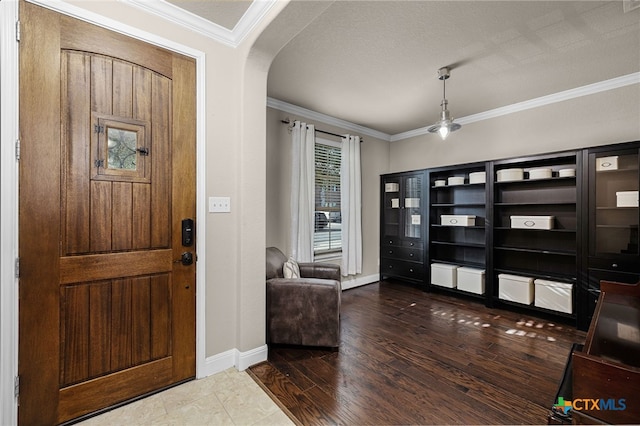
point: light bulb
(444, 131)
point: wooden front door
(107, 173)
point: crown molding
(589, 89)
(254, 14)
(326, 119)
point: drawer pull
(411, 270)
(410, 254)
(390, 251)
(614, 265)
(411, 244)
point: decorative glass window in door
(120, 149)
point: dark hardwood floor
(410, 357)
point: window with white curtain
(327, 236)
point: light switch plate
(219, 204)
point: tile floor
(228, 398)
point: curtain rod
(288, 121)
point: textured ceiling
(374, 63)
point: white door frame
(9, 131)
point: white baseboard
(359, 280)
(233, 358)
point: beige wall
(374, 155)
(597, 119)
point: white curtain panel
(351, 206)
(302, 191)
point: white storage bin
(515, 288)
(444, 275)
(440, 182)
(471, 280)
(554, 295)
(507, 175)
(607, 163)
(412, 202)
(540, 173)
(627, 199)
(455, 180)
(567, 172)
(395, 203)
(478, 177)
(391, 187)
(458, 220)
(532, 222)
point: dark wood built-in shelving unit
(592, 237)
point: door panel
(107, 174)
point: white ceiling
(374, 63)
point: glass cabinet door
(412, 214)
(616, 205)
(391, 205)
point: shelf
(470, 264)
(458, 244)
(613, 171)
(536, 308)
(615, 208)
(437, 225)
(537, 251)
(506, 228)
(457, 291)
(530, 181)
(459, 205)
(560, 203)
(458, 186)
(534, 274)
(634, 226)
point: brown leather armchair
(306, 310)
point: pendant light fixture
(446, 124)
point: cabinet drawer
(390, 241)
(402, 253)
(395, 241)
(615, 265)
(412, 244)
(398, 268)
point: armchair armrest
(327, 271)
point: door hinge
(17, 149)
(16, 388)
(17, 267)
(17, 31)
(98, 128)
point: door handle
(186, 259)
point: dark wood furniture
(548, 254)
(464, 246)
(402, 226)
(594, 238)
(612, 252)
(608, 368)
